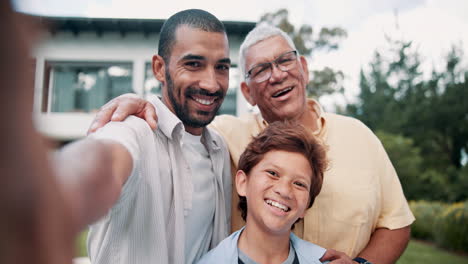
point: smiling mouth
(282, 92)
(204, 101)
(275, 204)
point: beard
(183, 111)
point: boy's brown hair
(286, 136)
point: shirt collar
(168, 122)
(309, 251)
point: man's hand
(121, 107)
(336, 257)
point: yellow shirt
(361, 190)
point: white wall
(88, 47)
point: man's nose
(277, 75)
(209, 81)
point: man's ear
(159, 69)
(241, 183)
(246, 92)
(305, 68)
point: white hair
(261, 32)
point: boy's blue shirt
(227, 251)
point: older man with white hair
(361, 209)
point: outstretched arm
(92, 173)
(123, 106)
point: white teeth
(278, 205)
(282, 91)
(204, 101)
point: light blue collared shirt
(227, 251)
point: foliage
(424, 253)
(445, 224)
(327, 80)
(451, 227)
(433, 113)
(425, 213)
(406, 159)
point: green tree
(432, 113)
(406, 159)
(327, 80)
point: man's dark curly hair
(286, 136)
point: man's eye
(223, 67)
(285, 61)
(258, 70)
(193, 64)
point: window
(229, 105)
(151, 85)
(84, 86)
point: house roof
(77, 25)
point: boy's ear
(241, 183)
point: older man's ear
(305, 68)
(247, 95)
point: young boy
(280, 174)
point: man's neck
(196, 131)
(264, 247)
(309, 119)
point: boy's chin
(278, 228)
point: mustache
(199, 91)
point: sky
(433, 25)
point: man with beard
(361, 209)
(170, 189)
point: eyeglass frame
(275, 62)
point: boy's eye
(300, 184)
(273, 173)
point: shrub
(451, 227)
(426, 214)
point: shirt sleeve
(125, 133)
(395, 211)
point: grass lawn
(416, 253)
(423, 253)
(80, 248)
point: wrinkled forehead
(266, 50)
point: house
(81, 63)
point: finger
(102, 117)
(120, 113)
(151, 117)
(330, 254)
(129, 104)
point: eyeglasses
(262, 72)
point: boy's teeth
(278, 205)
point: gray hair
(261, 32)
